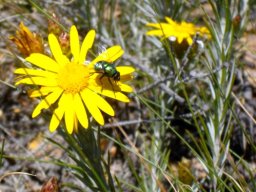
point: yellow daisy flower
(177, 31)
(70, 86)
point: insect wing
(103, 52)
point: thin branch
(136, 62)
(156, 83)
(139, 121)
(186, 79)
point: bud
(53, 26)
(27, 42)
(50, 186)
(236, 21)
(64, 43)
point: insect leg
(103, 74)
(112, 86)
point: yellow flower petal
(56, 50)
(35, 72)
(115, 95)
(180, 39)
(69, 112)
(155, 33)
(74, 43)
(110, 55)
(107, 83)
(86, 45)
(38, 81)
(125, 70)
(75, 127)
(104, 83)
(170, 21)
(90, 103)
(125, 78)
(125, 88)
(42, 91)
(156, 25)
(80, 111)
(114, 52)
(56, 118)
(163, 27)
(47, 102)
(102, 104)
(43, 61)
(189, 40)
(57, 115)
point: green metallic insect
(107, 69)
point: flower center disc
(73, 77)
